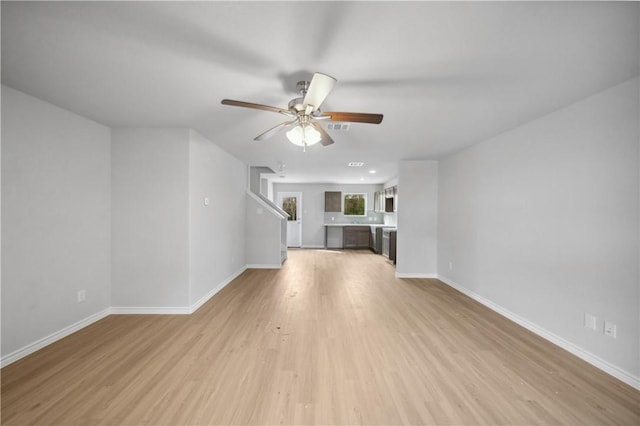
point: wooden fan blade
(256, 106)
(354, 117)
(326, 139)
(319, 88)
(276, 129)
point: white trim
(313, 247)
(261, 200)
(53, 337)
(415, 275)
(273, 205)
(150, 310)
(204, 299)
(264, 266)
(587, 356)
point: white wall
(543, 221)
(55, 219)
(270, 195)
(417, 216)
(216, 231)
(313, 215)
(263, 234)
(255, 179)
(150, 217)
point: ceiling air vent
(343, 127)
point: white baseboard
(313, 247)
(204, 299)
(587, 356)
(114, 310)
(264, 266)
(150, 310)
(53, 337)
(414, 275)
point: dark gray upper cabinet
(389, 205)
(333, 201)
(390, 200)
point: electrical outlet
(590, 321)
(82, 296)
(609, 329)
(450, 265)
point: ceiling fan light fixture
(304, 136)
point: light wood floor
(332, 338)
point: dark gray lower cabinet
(392, 246)
(372, 239)
(356, 237)
(377, 243)
(389, 244)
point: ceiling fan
(304, 113)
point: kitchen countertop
(375, 225)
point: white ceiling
(445, 75)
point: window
(355, 205)
(289, 205)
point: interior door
(291, 202)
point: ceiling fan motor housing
(296, 105)
(302, 87)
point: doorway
(291, 202)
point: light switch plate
(590, 321)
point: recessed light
(372, 171)
(355, 164)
